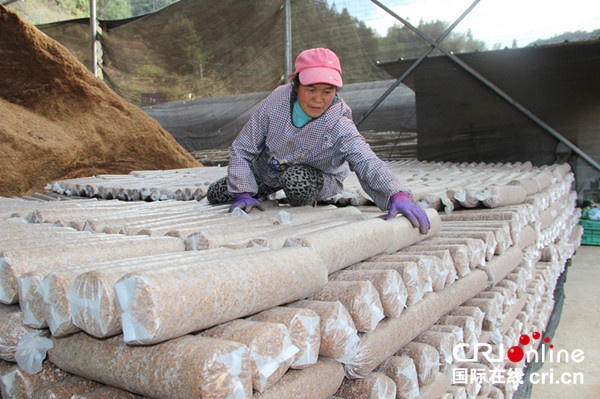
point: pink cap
(318, 65)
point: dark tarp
(215, 122)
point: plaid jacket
(269, 143)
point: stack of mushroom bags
(176, 299)
(189, 184)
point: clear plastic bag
(426, 359)
(284, 218)
(388, 283)
(468, 326)
(304, 328)
(12, 330)
(359, 297)
(18, 383)
(188, 366)
(442, 341)
(270, 348)
(402, 370)
(31, 352)
(318, 381)
(409, 272)
(476, 313)
(459, 338)
(153, 309)
(339, 338)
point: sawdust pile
(58, 121)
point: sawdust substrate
(59, 121)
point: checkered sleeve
(374, 175)
(245, 149)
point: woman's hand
(400, 202)
(246, 202)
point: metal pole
(415, 64)
(93, 37)
(496, 89)
(287, 38)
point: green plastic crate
(591, 232)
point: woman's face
(315, 99)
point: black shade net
(207, 48)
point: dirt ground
(59, 121)
(564, 377)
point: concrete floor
(579, 328)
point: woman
(302, 139)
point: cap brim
(313, 76)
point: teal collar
(299, 117)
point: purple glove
(246, 202)
(400, 202)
